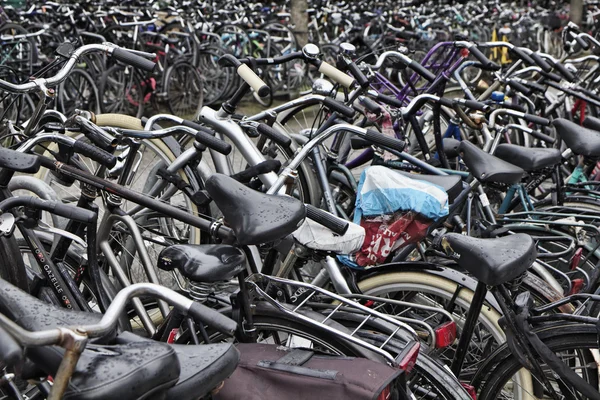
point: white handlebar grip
(253, 80)
(333, 73)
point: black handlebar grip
(552, 76)
(214, 319)
(10, 350)
(361, 78)
(384, 141)
(370, 105)
(389, 100)
(421, 70)
(536, 120)
(562, 69)
(74, 213)
(533, 85)
(274, 135)
(212, 142)
(473, 104)
(519, 87)
(329, 221)
(542, 137)
(522, 55)
(540, 62)
(446, 102)
(193, 125)
(582, 42)
(486, 63)
(338, 107)
(133, 59)
(95, 153)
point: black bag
(271, 372)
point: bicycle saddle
(487, 168)
(19, 162)
(203, 263)
(493, 261)
(254, 217)
(592, 123)
(582, 141)
(451, 147)
(528, 158)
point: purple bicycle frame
(442, 59)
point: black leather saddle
(528, 158)
(494, 261)
(452, 184)
(124, 367)
(203, 263)
(451, 147)
(19, 162)
(254, 217)
(592, 123)
(487, 168)
(582, 141)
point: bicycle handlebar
(134, 59)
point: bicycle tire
(557, 338)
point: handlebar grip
(516, 107)
(582, 42)
(133, 59)
(207, 139)
(540, 62)
(361, 78)
(370, 105)
(486, 63)
(72, 212)
(384, 141)
(326, 219)
(246, 73)
(542, 137)
(95, 153)
(536, 120)
(533, 85)
(214, 319)
(552, 76)
(562, 69)
(522, 55)
(519, 87)
(193, 125)
(389, 100)
(473, 104)
(335, 74)
(10, 350)
(446, 102)
(421, 70)
(338, 107)
(274, 135)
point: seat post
(468, 328)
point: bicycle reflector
(470, 389)
(576, 259)
(408, 357)
(445, 334)
(385, 394)
(576, 286)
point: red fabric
(386, 233)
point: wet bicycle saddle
(126, 367)
(528, 158)
(492, 261)
(582, 141)
(203, 263)
(487, 168)
(254, 217)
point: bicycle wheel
(78, 91)
(435, 291)
(573, 344)
(121, 92)
(184, 90)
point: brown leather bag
(271, 372)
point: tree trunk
(576, 11)
(300, 21)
